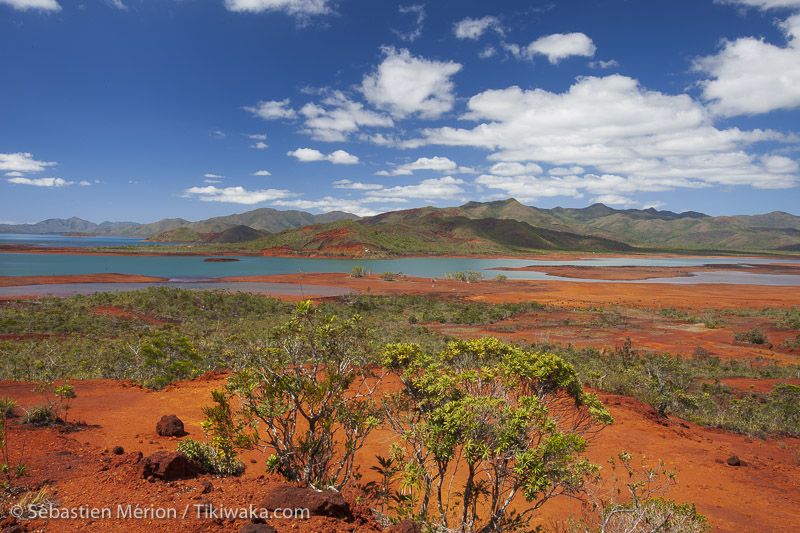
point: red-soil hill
(79, 469)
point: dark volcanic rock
(170, 426)
(169, 466)
(326, 503)
(118, 450)
(734, 460)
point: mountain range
(504, 226)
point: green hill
(427, 233)
(231, 235)
(652, 228)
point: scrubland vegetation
(515, 418)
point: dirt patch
(16, 281)
(633, 273)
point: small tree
(472, 276)
(514, 422)
(358, 271)
(309, 401)
(388, 276)
(632, 500)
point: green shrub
(472, 276)
(643, 508)
(210, 458)
(388, 276)
(754, 336)
(319, 374)
(500, 277)
(520, 415)
(7, 407)
(358, 271)
(791, 343)
(39, 415)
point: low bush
(210, 458)
(791, 343)
(7, 407)
(39, 415)
(754, 336)
(358, 271)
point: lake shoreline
(549, 256)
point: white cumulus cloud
(347, 184)
(41, 182)
(292, 7)
(262, 173)
(560, 46)
(649, 139)
(272, 109)
(407, 85)
(750, 76)
(22, 162)
(236, 195)
(338, 157)
(44, 5)
(763, 4)
(430, 189)
(337, 116)
(469, 28)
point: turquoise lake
(193, 270)
(188, 269)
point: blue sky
(137, 110)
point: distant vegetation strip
(159, 335)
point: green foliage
(39, 415)
(168, 357)
(754, 336)
(227, 433)
(500, 277)
(791, 343)
(7, 407)
(388, 276)
(690, 387)
(642, 509)
(789, 318)
(318, 374)
(8, 468)
(210, 458)
(57, 402)
(470, 276)
(358, 271)
(514, 421)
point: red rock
(325, 503)
(170, 426)
(168, 466)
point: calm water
(276, 289)
(72, 242)
(195, 269)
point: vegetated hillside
(650, 227)
(234, 234)
(62, 225)
(429, 233)
(266, 219)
